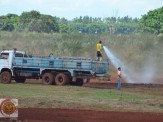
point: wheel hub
(60, 79)
(47, 79)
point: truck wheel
(79, 82)
(48, 79)
(20, 80)
(5, 77)
(61, 79)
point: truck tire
(61, 79)
(79, 82)
(20, 80)
(5, 77)
(48, 79)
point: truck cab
(6, 61)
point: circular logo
(8, 108)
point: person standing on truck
(119, 76)
(99, 51)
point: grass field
(36, 95)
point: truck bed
(70, 64)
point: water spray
(117, 63)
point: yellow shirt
(99, 47)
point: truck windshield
(4, 56)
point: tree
(152, 22)
(13, 19)
(8, 23)
(49, 24)
(86, 20)
(64, 21)
(96, 28)
(27, 17)
(126, 28)
(63, 28)
(34, 21)
(6, 26)
(78, 27)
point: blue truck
(19, 66)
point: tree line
(33, 21)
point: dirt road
(69, 115)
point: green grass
(36, 95)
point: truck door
(4, 60)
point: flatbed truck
(17, 65)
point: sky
(76, 8)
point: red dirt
(69, 115)
(111, 85)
